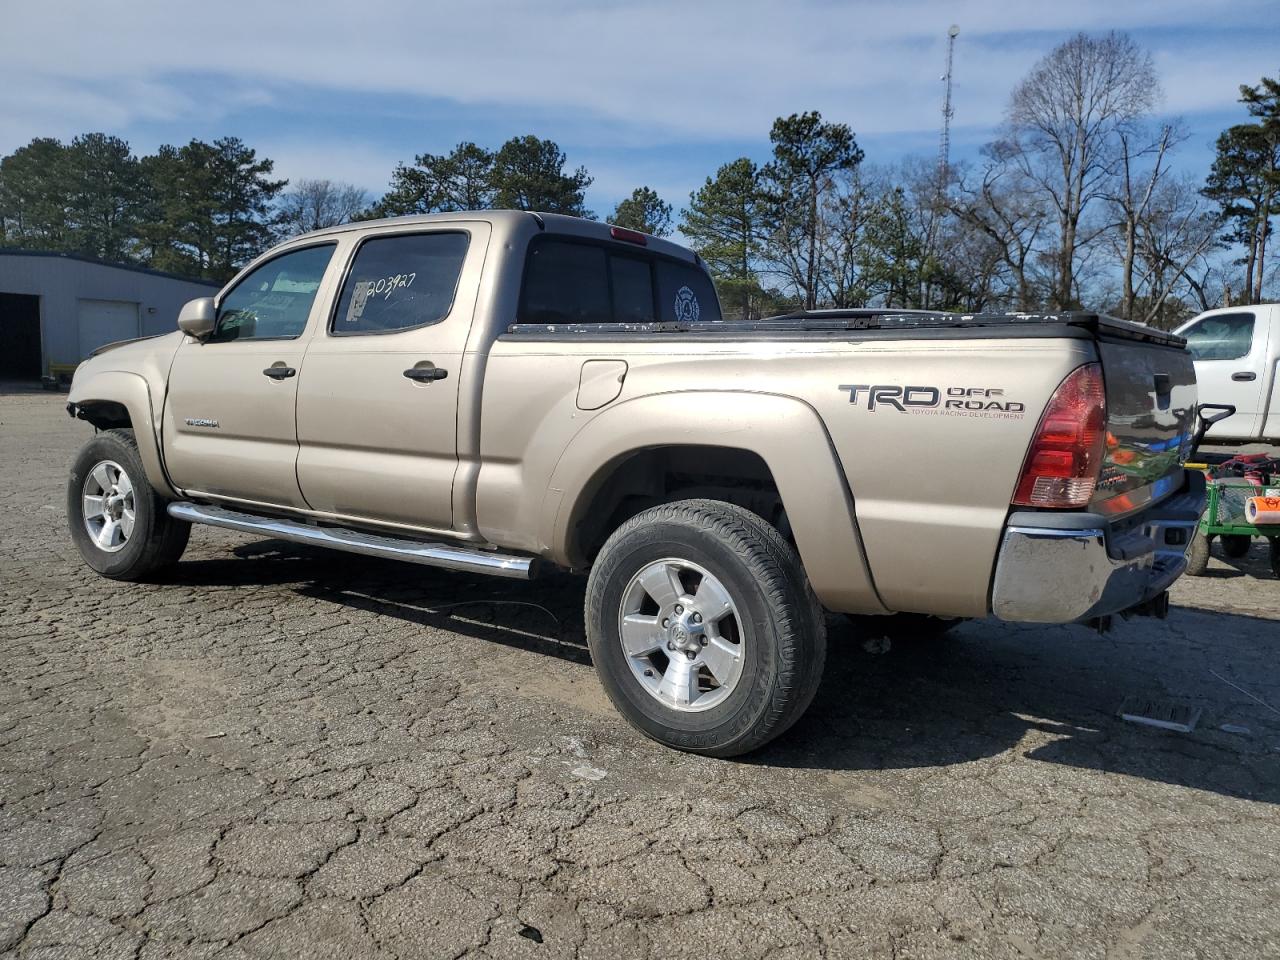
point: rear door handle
(1244, 377)
(280, 373)
(426, 374)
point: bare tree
(1174, 235)
(1064, 122)
(924, 190)
(1012, 219)
(317, 204)
(1206, 281)
(1131, 195)
(843, 209)
(975, 268)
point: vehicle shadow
(1256, 563)
(542, 616)
(977, 693)
(989, 687)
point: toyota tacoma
(504, 392)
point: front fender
(131, 391)
(787, 434)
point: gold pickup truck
(501, 391)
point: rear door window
(400, 282)
(1227, 336)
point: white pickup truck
(1237, 358)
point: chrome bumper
(1066, 567)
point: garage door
(105, 321)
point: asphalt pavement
(283, 752)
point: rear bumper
(1066, 567)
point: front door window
(274, 300)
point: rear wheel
(703, 628)
(1236, 545)
(117, 521)
(1198, 554)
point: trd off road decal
(688, 310)
(984, 402)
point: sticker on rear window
(688, 310)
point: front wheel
(118, 522)
(703, 628)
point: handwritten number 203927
(389, 285)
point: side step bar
(354, 541)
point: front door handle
(426, 374)
(280, 373)
(1244, 377)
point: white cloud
(330, 159)
(676, 70)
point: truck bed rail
(921, 323)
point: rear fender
(785, 433)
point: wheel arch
(116, 399)
(644, 477)
(768, 445)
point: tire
(109, 465)
(1198, 554)
(1274, 553)
(1236, 545)
(756, 620)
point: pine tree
(645, 211)
(105, 195)
(529, 174)
(440, 183)
(724, 224)
(806, 153)
(33, 196)
(211, 207)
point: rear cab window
(685, 293)
(582, 281)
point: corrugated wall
(62, 282)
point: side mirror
(198, 317)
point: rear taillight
(1062, 465)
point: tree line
(1075, 203)
(199, 210)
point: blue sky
(657, 93)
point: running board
(354, 541)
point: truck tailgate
(1151, 399)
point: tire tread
(165, 538)
(773, 563)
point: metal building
(57, 307)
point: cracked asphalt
(280, 752)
